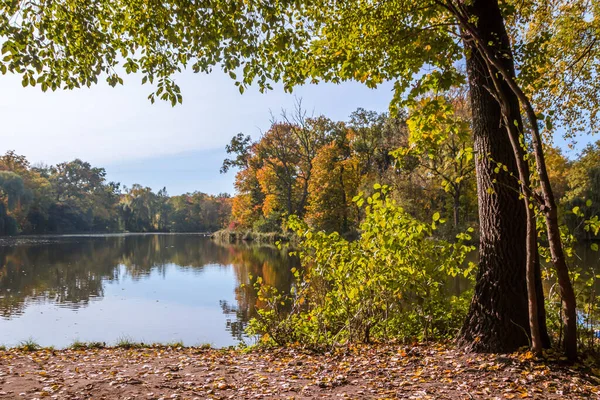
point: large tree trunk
(498, 316)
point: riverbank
(420, 372)
(230, 236)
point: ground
(370, 372)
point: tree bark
(498, 319)
(514, 129)
(546, 342)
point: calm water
(150, 288)
(144, 287)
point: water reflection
(163, 288)
(117, 277)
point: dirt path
(369, 372)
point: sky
(180, 148)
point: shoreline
(232, 237)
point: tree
(241, 147)
(12, 194)
(38, 188)
(73, 180)
(335, 182)
(441, 147)
(495, 54)
(286, 152)
(275, 172)
(279, 174)
(12, 189)
(82, 196)
(74, 197)
(559, 169)
(246, 206)
(583, 191)
(198, 212)
(375, 136)
(138, 209)
(163, 212)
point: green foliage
(240, 146)
(75, 197)
(126, 342)
(584, 280)
(13, 189)
(69, 44)
(270, 223)
(440, 147)
(391, 283)
(29, 345)
(229, 236)
(77, 345)
(582, 197)
(75, 44)
(8, 225)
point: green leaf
(436, 216)
(588, 203)
(594, 246)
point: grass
(126, 342)
(77, 345)
(29, 345)
(178, 344)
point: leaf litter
(362, 372)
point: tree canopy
(67, 44)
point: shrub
(390, 284)
(271, 223)
(585, 280)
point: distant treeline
(75, 197)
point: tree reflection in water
(72, 271)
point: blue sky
(156, 145)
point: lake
(144, 287)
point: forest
(75, 197)
(314, 168)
